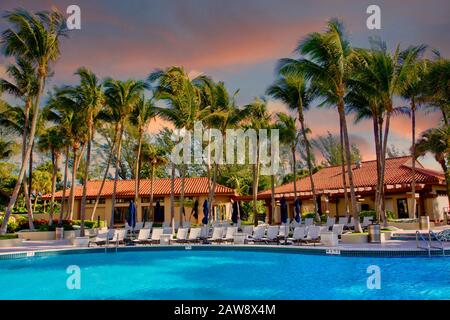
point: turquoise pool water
(214, 274)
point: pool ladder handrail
(441, 244)
(429, 243)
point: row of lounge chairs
(259, 234)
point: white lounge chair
(351, 224)
(167, 230)
(138, 226)
(143, 236)
(283, 231)
(258, 234)
(148, 225)
(338, 229)
(299, 234)
(182, 234)
(156, 235)
(194, 235)
(272, 234)
(330, 222)
(343, 220)
(248, 230)
(313, 235)
(229, 236)
(309, 222)
(204, 232)
(217, 235)
(166, 224)
(119, 236)
(103, 237)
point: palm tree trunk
(152, 179)
(294, 169)
(344, 176)
(272, 196)
(383, 166)
(355, 213)
(181, 212)
(23, 166)
(116, 174)
(105, 175)
(54, 174)
(309, 163)
(63, 198)
(30, 172)
(255, 187)
(72, 187)
(172, 195)
(377, 156)
(137, 173)
(413, 156)
(86, 179)
(26, 191)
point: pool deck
(387, 249)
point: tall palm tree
(182, 97)
(437, 82)
(35, 38)
(414, 91)
(294, 90)
(327, 62)
(52, 141)
(143, 112)
(91, 99)
(25, 88)
(63, 109)
(288, 136)
(156, 157)
(121, 98)
(436, 141)
(378, 77)
(259, 118)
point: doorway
(402, 208)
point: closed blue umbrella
(205, 212)
(284, 212)
(158, 211)
(234, 213)
(131, 218)
(298, 205)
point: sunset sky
(238, 42)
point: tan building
(431, 195)
(195, 189)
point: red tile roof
(161, 187)
(398, 171)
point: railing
(439, 241)
(422, 239)
(429, 242)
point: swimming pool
(217, 274)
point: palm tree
(24, 87)
(414, 91)
(121, 98)
(35, 38)
(52, 141)
(378, 77)
(436, 141)
(224, 114)
(259, 118)
(141, 115)
(289, 136)
(293, 89)
(91, 99)
(156, 157)
(182, 97)
(328, 62)
(63, 109)
(437, 81)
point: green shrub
(8, 236)
(367, 213)
(306, 215)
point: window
(92, 201)
(153, 216)
(123, 200)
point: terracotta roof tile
(125, 188)
(398, 171)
